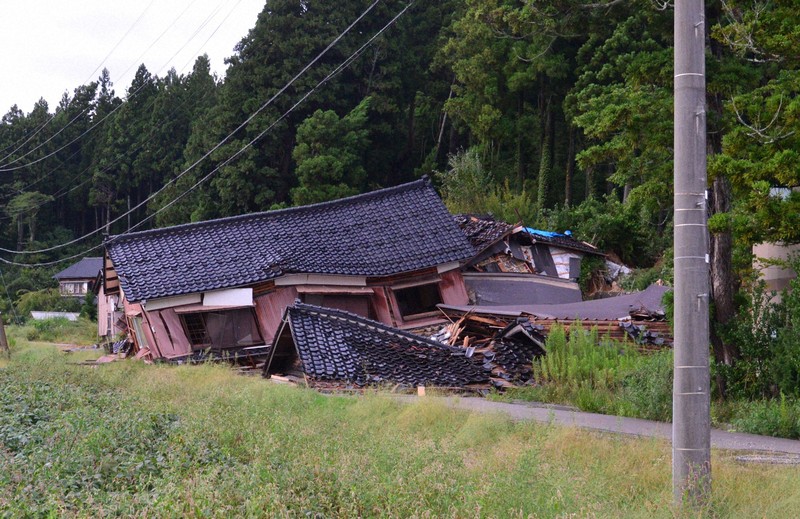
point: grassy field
(127, 439)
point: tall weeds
(581, 359)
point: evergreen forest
(556, 113)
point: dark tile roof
(87, 268)
(334, 345)
(482, 231)
(386, 232)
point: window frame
(208, 342)
(417, 285)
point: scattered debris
(641, 335)
(505, 348)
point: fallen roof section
(510, 289)
(337, 346)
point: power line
(327, 78)
(104, 169)
(139, 146)
(213, 149)
(91, 76)
(5, 167)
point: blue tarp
(546, 234)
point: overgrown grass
(601, 375)
(56, 330)
(127, 439)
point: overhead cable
(213, 149)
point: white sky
(48, 47)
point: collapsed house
(222, 286)
(638, 316)
(332, 348)
(521, 265)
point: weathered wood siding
(453, 289)
(171, 337)
(270, 308)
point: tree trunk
(546, 160)
(520, 156)
(20, 232)
(723, 284)
(723, 279)
(569, 171)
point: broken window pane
(418, 300)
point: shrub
(767, 335)
(778, 417)
(648, 387)
(583, 360)
(613, 227)
(47, 300)
(60, 329)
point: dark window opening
(196, 329)
(222, 329)
(358, 305)
(418, 300)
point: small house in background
(78, 280)
(223, 285)
(521, 265)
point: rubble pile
(505, 348)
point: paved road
(615, 424)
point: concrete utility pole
(691, 420)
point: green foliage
(89, 307)
(640, 279)
(582, 360)
(776, 417)
(767, 334)
(603, 376)
(79, 436)
(591, 268)
(466, 183)
(61, 330)
(47, 300)
(468, 188)
(612, 226)
(647, 388)
(329, 155)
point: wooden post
(3, 340)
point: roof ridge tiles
(423, 182)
